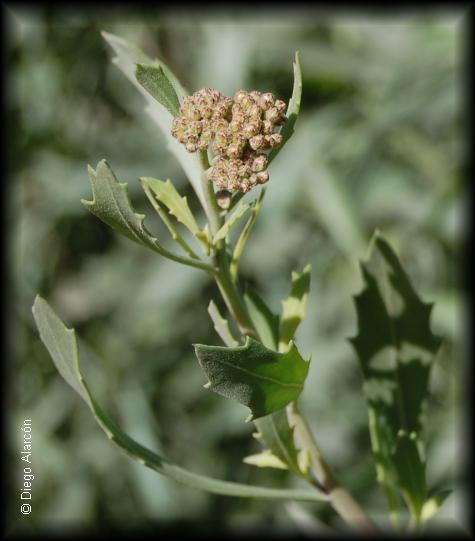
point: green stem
(340, 498)
(211, 207)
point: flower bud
(223, 198)
(257, 142)
(259, 163)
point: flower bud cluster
(199, 118)
(239, 130)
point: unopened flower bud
(274, 139)
(257, 142)
(266, 101)
(259, 163)
(262, 177)
(223, 198)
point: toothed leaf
(63, 348)
(396, 348)
(259, 378)
(111, 204)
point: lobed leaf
(111, 204)
(259, 378)
(62, 345)
(396, 348)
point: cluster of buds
(240, 131)
(241, 173)
(200, 115)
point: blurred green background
(379, 144)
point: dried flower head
(239, 131)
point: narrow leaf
(265, 321)
(396, 348)
(62, 346)
(157, 84)
(241, 242)
(127, 56)
(259, 378)
(295, 307)
(235, 216)
(265, 459)
(276, 434)
(166, 193)
(221, 326)
(292, 110)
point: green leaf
(241, 242)
(157, 84)
(221, 326)
(127, 56)
(433, 504)
(264, 320)
(111, 204)
(292, 110)
(396, 348)
(277, 435)
(166, 193)
(295, 307)
(265, 459)
(235, 216)
(410, 471)
(63, 348)
(259, 378)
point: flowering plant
(225, 145)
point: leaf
(259, 378)
(221, 326)
(241, 242)
(295, 307)
(292, 110)
(265, 459)
(236, 215)
(410, 471)
(111, 204)
(396, 348)
(157, 84)
(63, 348)
(433, 504)
(275, 433)
(266, 322)
(128, 55)
(166, 193)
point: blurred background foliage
(379, 144)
